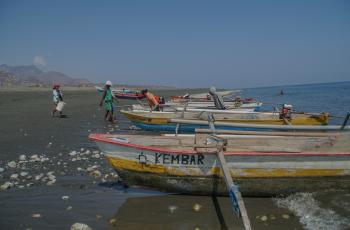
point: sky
(182, 43)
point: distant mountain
(32, 75)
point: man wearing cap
(57, 97)
(107, 100)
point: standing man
(218, 101)
(152, 101)
(107, 100)
(57, 97)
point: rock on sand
(80, 226)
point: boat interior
(206, 141)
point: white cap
(109, 83)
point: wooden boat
(124, 93)
(201, 97)
(130, 95)
(172, 107)
(262, 165)
(198, 119)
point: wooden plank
(233, 189)
(263, 133)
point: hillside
(31, 75)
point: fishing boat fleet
(265, 153)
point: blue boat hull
(190, 128)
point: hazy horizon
(182, 43)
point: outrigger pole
(345, 120)
(233, 189)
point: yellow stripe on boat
(125, 164)
(162, 120)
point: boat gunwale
(103, 138)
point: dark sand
(97, 200)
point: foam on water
(311, 215)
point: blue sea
(333, 98)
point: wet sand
(97, 199)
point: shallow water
(27, 128)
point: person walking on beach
(152, 100)
(218, 101)
(57, 98)
(107, 100)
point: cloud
(39, 61)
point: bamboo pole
(276, 127)
(235, 194)
(264, 133)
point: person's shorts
(108, 106)
(156, 108)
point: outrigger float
(263, 164)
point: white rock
(14, 176)
(36, 215)
(30, 184)
(74, 159)
(51, 182)
(92, 168)
(1, 170)
(38, 177)
(82, 150)
(73, 153)
(12, 164)
(35, 156)
(6, 185)
(263, 218)
(23, 174)
(172, 208)
(69, 208)
(79, 169)
(96, 152)
(49, 173)
(22, 157)
(52, 177)
(96, 173)
(65, 197)
(197, 207)
(21, 186)
(78, 158)
(80, 226)
(44, 159)
(97, 155)
(87, 152)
